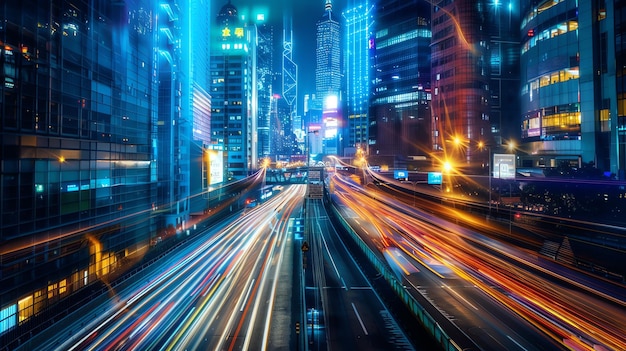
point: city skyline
(133, 130)
(304, 16)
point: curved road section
(502, 297)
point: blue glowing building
(78, 148)
(358, 25)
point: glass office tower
(328, 54)
(504, 56)
(399, 115)
(358, 21)
(620, 55)
(77, 146)
(460, 80)
(568, 84)
(234, 92)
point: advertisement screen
(401, 174)
(434, 178)
(504, 166)
(216, 167)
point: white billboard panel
(216, 166)
(504, 166)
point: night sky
(305, 14)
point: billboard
(504, 166)
(216, 166)
(434, 178)
(401, 174)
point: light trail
(592, 319)
(178, 307)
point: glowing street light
(511, 146)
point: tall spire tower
(328, 58)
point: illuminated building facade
(460, 80)
(78, 116)
(399, 115)
(196, 102)
(173, 133)
(620, 77)
(289, 73)
(328, 54)
(569, 101)
(265, 79)
(504, 62)
(234, 92)
(358, 22)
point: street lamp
(482, 145)
(511, 146)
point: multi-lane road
(353, 315)
(500, 296)
(218, 292)
(237, 286)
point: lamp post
(511, 146)
(482, 145)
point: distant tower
(358, 22)
(265, 79)
(290, 68)
(328, 54)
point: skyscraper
(328, 54)
(460, 80)
(195, 113)
(265, 79)
(568, 84)
(504, 55)
(78, 118)
(174, 135)
(358, 23)
(399, 115)
(289, 69)
(287, 106)
(234, 92)
(619, 120)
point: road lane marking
(460, 297)
(245, 299)
(516, 343)
(359, 318)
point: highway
(500, 296)
(216, 293)
(353, 315)
(231, 288)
